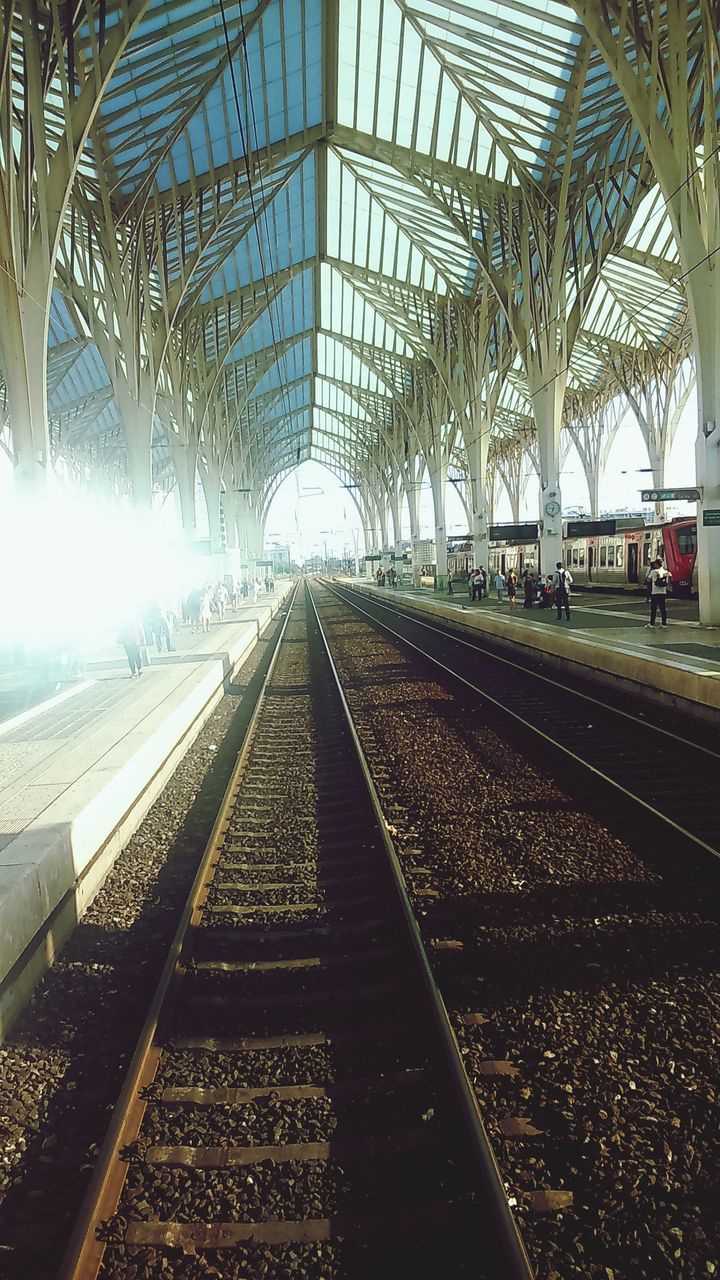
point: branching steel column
(36, 179)
(666, 62)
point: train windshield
(687, 540)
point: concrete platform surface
(679, 663)
(77, 777)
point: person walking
(158, 626)
(132, 639)
(511, 587)
(499, 586)
(659, 580)
(562, 582)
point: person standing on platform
(562, 582)
(659, 581)
(529, 591)
(132, 639)
(193, 609)
(499, 586)
(450, 583)
(221, 599)
(511, 586)
(206, 610)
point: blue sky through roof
(276, 78)
(291, 311)
(285, 232)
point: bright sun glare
(79, 568)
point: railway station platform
(79, 772)
(677, 665)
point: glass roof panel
(180, 107)
(322, 294)
(282, 235)
(289, 313)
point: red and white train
(603, 553)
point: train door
(632, 564)
(502, 565)
(591, 561)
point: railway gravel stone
(594, 960)
(62, 1066)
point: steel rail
(509, 1247)
(527, 724)
(537, 675)
(83, 1257)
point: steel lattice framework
(398, 236)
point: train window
(687, 541)
(619, 556)
(611, 557)
(581, 558)
(646, 552)
(573, 557)
(603, 556)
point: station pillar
(477, 451)
(547, 394)
(137, 414)
(437, 481)
(704, 299)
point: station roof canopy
(320, 188)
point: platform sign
(711, 518)
(514, 532)
(589, 528)
(671, 495)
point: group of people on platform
(553, 589)
(545, 591)
(386, 577)
(198, 610)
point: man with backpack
(562, 582)
(658, 581)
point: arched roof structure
(357, 230)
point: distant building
(425, 552)
(279, 557)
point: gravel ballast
(376, 1153)
(63, 1064)
(594, 961)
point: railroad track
(589, 944)
(657, 775)
(297, 1103)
